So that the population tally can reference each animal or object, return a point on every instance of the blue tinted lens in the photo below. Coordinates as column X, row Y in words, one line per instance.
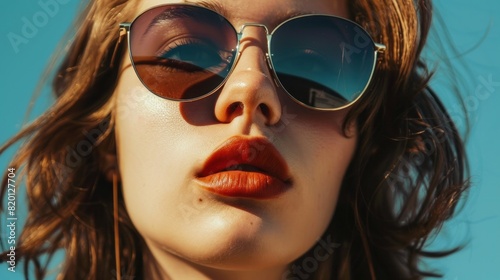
column 322, row 61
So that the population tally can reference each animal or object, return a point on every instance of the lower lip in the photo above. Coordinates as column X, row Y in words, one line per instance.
column 243, row 184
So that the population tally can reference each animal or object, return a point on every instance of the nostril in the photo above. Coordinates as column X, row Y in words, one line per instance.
column 264, row 109
column 234, row 109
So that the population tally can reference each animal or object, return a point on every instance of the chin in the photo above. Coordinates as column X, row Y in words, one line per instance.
column 234, row 239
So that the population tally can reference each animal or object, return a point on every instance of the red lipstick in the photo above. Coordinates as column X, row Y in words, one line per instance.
column 245, row 167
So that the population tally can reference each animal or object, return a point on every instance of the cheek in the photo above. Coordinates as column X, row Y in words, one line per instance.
column 330, row 148
column 319, row 154
column 321, row 145
column 150, row 156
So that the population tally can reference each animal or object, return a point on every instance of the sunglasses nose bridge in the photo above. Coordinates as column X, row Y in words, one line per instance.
column 248, row 24
column 258, row 25
column 265, row 46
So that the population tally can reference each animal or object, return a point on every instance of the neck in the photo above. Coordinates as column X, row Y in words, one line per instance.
column 164, row 265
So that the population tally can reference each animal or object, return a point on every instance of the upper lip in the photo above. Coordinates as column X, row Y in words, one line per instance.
column 247, row 154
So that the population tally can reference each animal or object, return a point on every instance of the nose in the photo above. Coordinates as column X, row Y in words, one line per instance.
column 250, row 91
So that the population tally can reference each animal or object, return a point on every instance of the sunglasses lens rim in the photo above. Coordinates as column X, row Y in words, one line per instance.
column 359, row 35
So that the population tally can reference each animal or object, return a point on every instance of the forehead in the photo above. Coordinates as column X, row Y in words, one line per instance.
column 270, row 13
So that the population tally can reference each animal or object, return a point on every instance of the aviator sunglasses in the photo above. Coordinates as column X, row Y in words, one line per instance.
column 185, row 52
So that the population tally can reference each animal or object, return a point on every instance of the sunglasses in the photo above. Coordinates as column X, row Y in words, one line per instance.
column 185, row 52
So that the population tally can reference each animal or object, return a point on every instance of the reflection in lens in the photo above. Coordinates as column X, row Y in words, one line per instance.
column 339, row 55
column 312, row 93
column 176, row 84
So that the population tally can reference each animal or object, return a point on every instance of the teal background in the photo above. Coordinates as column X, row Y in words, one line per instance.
column 474, row 28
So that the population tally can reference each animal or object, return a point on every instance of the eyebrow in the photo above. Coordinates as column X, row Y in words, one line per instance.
column 186, row 12
column 212, row 5
column 219, row 9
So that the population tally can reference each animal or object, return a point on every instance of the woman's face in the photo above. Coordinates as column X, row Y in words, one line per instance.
column 200, row 180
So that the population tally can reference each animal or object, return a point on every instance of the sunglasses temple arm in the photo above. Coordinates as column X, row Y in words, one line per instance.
column 380, row 48
column 124, row 28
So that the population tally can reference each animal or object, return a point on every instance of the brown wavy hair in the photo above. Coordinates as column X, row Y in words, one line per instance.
column 405, row 180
